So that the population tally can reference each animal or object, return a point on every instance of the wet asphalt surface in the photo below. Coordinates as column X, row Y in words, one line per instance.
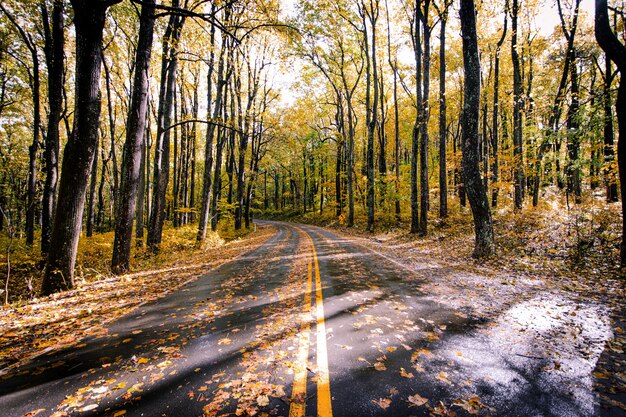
column 227, row 344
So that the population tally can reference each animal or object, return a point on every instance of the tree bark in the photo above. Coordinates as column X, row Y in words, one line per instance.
column 609, row 134
column 495, row 130
column 474, row 186
column 91, row 198
column 89, row 19
column 424, row 118
column 518, row 163
column 443, row 123
column 616, row 52
column 54, row 45
column 135, row 131
column 417, row 50
column 34, row 81
column 161, row 171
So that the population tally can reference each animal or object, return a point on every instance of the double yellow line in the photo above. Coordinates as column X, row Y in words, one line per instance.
column 324, row 405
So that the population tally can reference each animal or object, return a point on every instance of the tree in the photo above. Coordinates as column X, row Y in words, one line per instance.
column 495, row 138
column 616, row 52
column 443, row 120
column 416, row 41
column 136, row 128
column 517, row 109
column 476, row 194
column 161, row 171
column 34, row 78
column 89, row 19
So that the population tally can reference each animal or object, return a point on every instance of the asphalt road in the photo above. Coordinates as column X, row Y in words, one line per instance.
column 307, row 324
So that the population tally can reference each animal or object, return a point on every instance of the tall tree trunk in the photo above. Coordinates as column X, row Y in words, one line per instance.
column 476, row 194
column 609, row 134
column 417, row 50
column 573, row 143
column 495, row 129
column 518, row 168
column 443, row 122
column 34, row 81
column 161, row 171
column 393, row 64
column 141, row 192
column 32, row 151
column 424, row 117
column 113, row 149
column 100, row 214
column 616, row 52
column 371, row 103
column 135, row 131
column 89, row 18
column 54, row 59
column 91, row 198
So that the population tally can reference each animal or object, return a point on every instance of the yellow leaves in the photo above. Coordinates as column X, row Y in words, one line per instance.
column 600, row 374
column 421, row 352
column 121, row 385
column 383, row 403
column 89, row 407
column 143, row 360
column 431, row 336
column 224, row 341
column 164, row 364
column 417, row 400
column 391, row 349
column 472, row 405
column 405, row 374
column 130, row 339
column 379, row 366
column 135, row 388
column 34, row 412
column 418, row 367
column 119, row 413
column 262, row 400
column 443, row 377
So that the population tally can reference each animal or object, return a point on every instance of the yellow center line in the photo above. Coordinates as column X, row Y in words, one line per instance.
column 324, row 406
column 298, row 395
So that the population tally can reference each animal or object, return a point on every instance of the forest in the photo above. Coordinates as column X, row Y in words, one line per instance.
column 145, row 143
column 208, row 112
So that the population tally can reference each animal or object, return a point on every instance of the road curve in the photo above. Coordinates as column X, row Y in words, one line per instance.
column 307, row 324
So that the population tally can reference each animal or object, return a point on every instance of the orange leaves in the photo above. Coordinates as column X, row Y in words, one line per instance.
column 380, row 366
column 383, row 403
column 443, row 377
column 417, row 400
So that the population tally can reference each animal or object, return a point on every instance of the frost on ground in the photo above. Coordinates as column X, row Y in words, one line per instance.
column 533, row 339
column 549, row 336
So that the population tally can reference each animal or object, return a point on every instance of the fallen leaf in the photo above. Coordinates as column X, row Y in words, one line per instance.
column 262, row 400
column 443, row 377
column 379, row 366
column 89, row 407
column 383, row 403
column 417, row 400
